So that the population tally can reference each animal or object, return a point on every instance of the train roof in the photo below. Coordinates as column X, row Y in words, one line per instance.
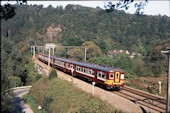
column 84, row 64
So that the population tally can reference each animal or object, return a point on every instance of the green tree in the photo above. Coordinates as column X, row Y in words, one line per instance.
column 15, row 81
column 76, row 54
column 92, row 49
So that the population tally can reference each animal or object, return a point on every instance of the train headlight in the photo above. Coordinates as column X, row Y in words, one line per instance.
column 122, row 76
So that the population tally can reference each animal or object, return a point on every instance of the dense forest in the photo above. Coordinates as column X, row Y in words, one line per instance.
column 75, row 25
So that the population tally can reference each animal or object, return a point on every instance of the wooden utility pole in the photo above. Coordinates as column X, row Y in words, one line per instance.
column 168, row 81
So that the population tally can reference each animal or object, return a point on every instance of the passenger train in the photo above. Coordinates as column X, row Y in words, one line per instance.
column 110, row 78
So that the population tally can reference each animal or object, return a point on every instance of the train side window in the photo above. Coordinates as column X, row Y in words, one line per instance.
column 91, row 72
column 66, row 65
column 98, row 74
column 103, row 75
column 88, row 71
column 62, row 63
column 71, row 66
column 111, row 76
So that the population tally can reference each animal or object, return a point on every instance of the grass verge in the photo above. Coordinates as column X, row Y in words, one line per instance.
column 32, row 103
column 59, row 96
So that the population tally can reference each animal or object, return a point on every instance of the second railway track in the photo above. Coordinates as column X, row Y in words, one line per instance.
column 144, row 99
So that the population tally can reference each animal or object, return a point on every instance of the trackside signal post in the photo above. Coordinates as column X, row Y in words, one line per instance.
column 168, row 81
column 93, row 83
column 159, row 83
column 33, row 50
column 49, row 46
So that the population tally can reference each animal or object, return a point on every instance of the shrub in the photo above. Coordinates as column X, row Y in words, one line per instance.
column 37, row 77
column 46, row 103
column 52, row 74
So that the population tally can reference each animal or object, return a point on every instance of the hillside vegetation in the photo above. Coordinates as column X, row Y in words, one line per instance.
column 75, row 25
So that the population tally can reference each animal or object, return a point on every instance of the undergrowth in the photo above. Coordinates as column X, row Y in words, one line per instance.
column 59, row 96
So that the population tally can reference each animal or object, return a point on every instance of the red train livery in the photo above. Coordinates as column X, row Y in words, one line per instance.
column 110, row 78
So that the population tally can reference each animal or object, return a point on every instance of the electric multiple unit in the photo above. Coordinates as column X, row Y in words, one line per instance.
column 110, row 78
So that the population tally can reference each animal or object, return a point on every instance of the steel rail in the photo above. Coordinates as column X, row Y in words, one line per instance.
column 142, row 98
column 145, row 94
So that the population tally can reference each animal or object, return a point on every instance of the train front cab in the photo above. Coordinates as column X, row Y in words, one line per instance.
column 115, row 80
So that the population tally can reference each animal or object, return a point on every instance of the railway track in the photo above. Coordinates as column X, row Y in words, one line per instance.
column 144, row 99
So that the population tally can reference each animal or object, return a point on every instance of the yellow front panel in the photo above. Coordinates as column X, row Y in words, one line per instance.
column 110, row 82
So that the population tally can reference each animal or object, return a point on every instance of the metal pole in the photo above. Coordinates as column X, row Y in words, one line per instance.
column 168, row 85
column 168, row 81
column 49, row 58
column 85, row 54
column 31, row 50
column 34, row 52
column 159, row 83
column 72, row 70
column 53, row 51
column 93, row 83
column 43, row 50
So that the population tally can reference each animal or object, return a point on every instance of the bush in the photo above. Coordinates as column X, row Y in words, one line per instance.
column 46, row 103
column 52, row 74
column 37, row 77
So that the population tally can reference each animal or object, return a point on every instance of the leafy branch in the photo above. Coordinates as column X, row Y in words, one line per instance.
column 8, row 11
column 124, row 4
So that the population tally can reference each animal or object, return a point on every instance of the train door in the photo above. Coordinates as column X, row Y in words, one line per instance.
column 117, row 77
